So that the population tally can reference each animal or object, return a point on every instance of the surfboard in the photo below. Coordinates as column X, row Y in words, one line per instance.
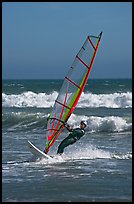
column 37, row 152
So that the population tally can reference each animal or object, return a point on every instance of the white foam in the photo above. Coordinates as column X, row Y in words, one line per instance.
column 122, row 156
column 94, row 123
column 115, row 100
column 55, row 159
column 101, row 124
column 90, row 152
column 31, row 99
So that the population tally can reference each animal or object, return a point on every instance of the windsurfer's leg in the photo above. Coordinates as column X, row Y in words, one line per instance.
column 61, row 147
column 66, row 142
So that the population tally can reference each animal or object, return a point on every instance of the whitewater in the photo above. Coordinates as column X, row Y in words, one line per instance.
column 31, row 99
column 97, row 168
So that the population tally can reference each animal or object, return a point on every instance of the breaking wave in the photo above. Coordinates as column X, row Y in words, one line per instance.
column 43, row 100
column 22, row 121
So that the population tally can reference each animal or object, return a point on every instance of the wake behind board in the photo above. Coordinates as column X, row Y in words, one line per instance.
column 37, row 152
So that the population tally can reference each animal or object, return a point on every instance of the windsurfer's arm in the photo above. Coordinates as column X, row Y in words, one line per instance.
column 68, row 127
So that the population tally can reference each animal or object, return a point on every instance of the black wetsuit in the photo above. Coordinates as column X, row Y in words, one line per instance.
column 74, row 135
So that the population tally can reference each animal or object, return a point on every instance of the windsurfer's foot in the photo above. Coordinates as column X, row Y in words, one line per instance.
column 59, row 154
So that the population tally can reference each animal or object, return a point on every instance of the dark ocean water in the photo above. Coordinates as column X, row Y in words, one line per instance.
column 96, row 168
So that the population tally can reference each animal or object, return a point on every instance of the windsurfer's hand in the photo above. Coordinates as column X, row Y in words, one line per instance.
column 66, row 125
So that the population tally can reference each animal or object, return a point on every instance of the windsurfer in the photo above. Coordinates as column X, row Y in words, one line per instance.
column 75, row 134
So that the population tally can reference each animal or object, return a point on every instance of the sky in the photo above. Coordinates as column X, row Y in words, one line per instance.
column 41, row 39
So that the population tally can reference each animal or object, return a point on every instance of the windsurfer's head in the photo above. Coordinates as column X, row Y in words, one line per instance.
column 83, row 124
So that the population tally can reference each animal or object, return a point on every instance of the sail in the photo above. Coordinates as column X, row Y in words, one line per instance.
column 71, row 89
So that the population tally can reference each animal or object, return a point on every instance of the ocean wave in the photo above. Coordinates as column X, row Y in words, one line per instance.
column 92, row 152
column 102, row 124
column 122, row 156
column 38, row 122
column 43, row 100
column 23, row 121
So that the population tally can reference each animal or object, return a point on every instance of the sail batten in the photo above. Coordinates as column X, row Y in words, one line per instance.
column 91, row 42
column 62, row 104
column 72, row 89
column 82, row 62
column 72, row 82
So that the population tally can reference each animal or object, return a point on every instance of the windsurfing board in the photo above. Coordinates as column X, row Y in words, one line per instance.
column 37, row 152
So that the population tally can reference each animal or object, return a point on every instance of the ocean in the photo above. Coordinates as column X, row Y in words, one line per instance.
column 97, row 168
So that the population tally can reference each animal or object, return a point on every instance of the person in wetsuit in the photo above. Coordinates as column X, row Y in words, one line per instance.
column 75, row 134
